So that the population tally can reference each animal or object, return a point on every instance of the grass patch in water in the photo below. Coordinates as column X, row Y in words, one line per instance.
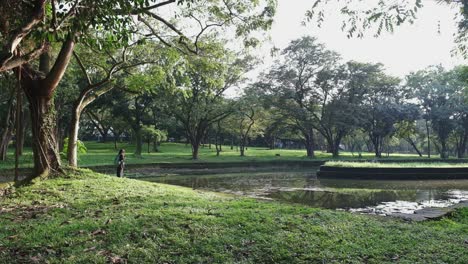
column 344, row 164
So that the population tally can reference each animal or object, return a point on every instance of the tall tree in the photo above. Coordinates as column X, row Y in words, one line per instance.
column 438, row 92
column 294, row 80
column 29, row 30
column 198, row 101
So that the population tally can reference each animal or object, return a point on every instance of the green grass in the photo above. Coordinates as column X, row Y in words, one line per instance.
column 92, row 218
column 344, row 164
column 104, row 153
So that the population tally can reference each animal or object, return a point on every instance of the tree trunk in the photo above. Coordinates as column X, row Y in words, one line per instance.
column 104, row 135
column 271, row 143
column 336, row 150
column 7, row 133
column 195, row 148
column 377, row 144
column 333, row 145
column 72, row 151
column 414, row 146
column 40, row 94
column 218, row 148
column 309, row 144
column 138, row 141
column 443, row 150
column 428, row 139
column 22, row 132
column 461, row 146
column 155, row 146
column 45, row 152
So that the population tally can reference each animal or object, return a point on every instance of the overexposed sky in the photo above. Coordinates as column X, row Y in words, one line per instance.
column 409, row 48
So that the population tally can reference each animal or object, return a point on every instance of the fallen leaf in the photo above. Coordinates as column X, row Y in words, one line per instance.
column 98, row 232
column 117, row 260
column 90, row 249
column 36, row 259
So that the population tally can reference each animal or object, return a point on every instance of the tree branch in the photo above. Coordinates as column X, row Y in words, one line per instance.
column 83, row 69
column 36, row 18
column 61, row 63
column 18, row 61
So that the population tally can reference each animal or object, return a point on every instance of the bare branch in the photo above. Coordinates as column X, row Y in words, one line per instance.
column 83, row 69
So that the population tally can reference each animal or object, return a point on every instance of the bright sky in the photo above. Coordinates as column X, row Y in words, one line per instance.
column 410, row 48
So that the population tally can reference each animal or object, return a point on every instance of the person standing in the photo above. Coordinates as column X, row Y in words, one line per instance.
column 120, row 162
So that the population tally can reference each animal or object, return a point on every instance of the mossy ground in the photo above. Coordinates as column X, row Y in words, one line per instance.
column 91, row 218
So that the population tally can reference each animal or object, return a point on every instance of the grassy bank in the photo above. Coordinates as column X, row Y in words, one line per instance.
column 344, row 164
column 91, row 218
column 104, row 154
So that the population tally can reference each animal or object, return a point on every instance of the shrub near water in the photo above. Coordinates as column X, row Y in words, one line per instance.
column 91, row 218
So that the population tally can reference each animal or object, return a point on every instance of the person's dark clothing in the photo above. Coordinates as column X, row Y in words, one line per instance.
column 121, row 165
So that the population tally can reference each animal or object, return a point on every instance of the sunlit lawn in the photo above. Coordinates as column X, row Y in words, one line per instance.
column 91, row 218
column 104, row 154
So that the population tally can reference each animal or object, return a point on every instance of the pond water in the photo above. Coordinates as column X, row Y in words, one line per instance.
column 366, row 196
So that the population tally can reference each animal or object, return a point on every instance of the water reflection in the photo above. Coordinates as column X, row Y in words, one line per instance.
column 366, row 196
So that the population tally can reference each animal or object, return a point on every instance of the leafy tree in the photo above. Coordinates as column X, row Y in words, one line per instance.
column 198, row 101
column 383, row 108
column 438, row 94
column 408, row 131
column 294, row 81
column 29, row 30
column 248, row 119
column 151, row 134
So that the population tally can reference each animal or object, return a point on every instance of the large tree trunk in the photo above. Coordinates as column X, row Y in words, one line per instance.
column 7, row 133
column 461, row 146
column 376, row 142
column 336, row 149
column 309, row 143
column 333, row 145
column 195, row 149
column 242, row 150
column 40, row 91
column 443, row 149
column 45, row 152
